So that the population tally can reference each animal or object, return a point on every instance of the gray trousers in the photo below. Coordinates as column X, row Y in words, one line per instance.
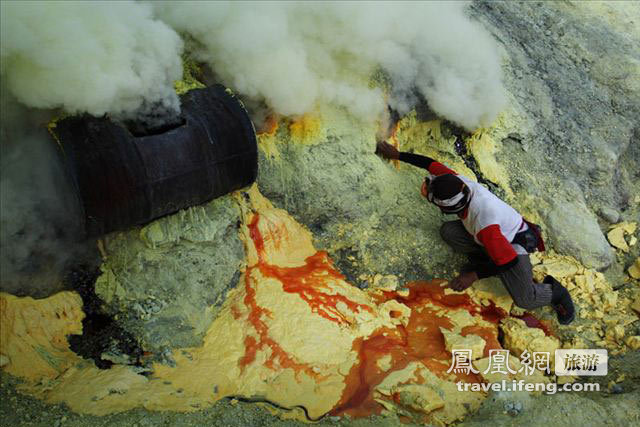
column 518, row 279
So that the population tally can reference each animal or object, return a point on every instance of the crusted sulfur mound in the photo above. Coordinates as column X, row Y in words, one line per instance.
column 292, row 332
column 167, row 280
column 518, row 337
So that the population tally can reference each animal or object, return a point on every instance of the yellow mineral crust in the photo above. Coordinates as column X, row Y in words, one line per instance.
column 268, row 137
column 491, row 290
column 484, row 144
column 307, row 129
column 455, row 341
column 518, row 337
column 426, row 138
column 431, row 394
column 290, row 333
column 600, row 308
column 189, row 80
column 617, row 234
column 33, row 336
column 634, row 270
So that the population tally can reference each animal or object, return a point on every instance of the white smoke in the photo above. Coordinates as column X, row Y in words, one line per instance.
column 118, row 57
column 39, row 228
column 94, row 57
column 294, row 55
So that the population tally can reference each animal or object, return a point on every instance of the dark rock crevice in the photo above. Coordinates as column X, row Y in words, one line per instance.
column 102, row 340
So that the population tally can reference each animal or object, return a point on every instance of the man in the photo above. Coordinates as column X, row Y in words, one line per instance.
column 490, row 232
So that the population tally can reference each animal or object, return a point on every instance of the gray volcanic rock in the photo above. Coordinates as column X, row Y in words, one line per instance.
column 573, row 72
column 574, row 231
column 612, row 216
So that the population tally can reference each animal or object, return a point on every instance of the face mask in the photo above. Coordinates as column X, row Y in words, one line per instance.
column 454, row 204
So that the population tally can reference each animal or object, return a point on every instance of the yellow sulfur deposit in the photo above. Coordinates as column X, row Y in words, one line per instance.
column 491, row 290
column 618, row 232
column 189, row 80
column 426, row 138
column 603, row 313
column 307, row 129
column 455, row 341
column 518, row 337
column 34, row 334
column 634, row 269
column 633, row 342
column 484, row 144
column 253, row 348
column 433, row 394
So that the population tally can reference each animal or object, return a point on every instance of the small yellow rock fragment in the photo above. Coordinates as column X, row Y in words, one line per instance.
column 633, row 342
column 634, row 270
column 455, row 341
column 385, row 283
column 636, row 305
column 559, row 268
column 403, row 292
column 519, row 337
column 384, row 363
column 493, row 290
column 617, row 233
column 609, row 298
column 616, row 238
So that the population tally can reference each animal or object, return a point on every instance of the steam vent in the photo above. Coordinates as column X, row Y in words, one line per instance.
column 213, row 213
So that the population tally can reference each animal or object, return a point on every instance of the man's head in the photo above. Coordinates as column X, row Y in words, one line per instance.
column 448, row 192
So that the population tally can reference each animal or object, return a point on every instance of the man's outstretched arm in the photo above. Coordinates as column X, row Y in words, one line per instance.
column 388, row 151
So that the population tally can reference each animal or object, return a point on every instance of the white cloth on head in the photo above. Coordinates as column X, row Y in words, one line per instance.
column 452, row 201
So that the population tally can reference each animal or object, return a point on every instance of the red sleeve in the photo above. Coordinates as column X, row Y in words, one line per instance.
column 497, row 246
column 437, row 169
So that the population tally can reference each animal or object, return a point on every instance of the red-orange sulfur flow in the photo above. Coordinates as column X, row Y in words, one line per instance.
column 420, row 340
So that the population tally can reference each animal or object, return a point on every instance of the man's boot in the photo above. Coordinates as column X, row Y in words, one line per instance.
column 561, row 301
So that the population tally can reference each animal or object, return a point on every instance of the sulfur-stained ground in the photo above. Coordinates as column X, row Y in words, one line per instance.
column 547, row 155
column 566, row 409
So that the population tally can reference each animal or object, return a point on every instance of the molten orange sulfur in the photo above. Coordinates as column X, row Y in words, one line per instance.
column 310, row 281
column 270, row 125
column 421, row 340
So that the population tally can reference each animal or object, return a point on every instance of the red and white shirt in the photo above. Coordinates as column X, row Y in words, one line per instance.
column 492, row 223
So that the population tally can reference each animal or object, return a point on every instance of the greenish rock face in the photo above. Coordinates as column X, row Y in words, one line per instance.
column 166, row 281
column 367, row 214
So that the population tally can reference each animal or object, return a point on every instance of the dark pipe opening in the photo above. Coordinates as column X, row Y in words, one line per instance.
column 140, row 129
column 122, row 180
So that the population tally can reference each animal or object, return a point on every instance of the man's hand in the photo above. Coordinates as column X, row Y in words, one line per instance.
column 387, row 150
column 463, row 281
